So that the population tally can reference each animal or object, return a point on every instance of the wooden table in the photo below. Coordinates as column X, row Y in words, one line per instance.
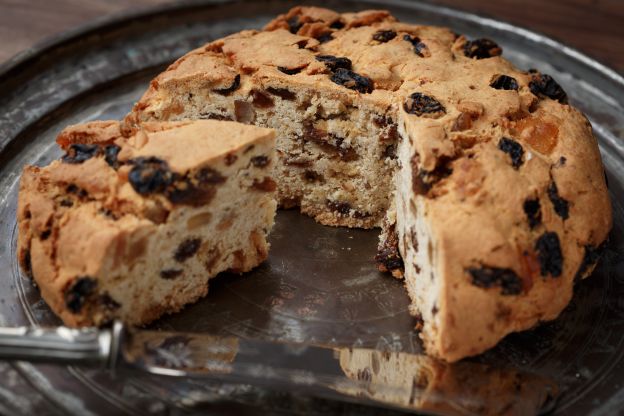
column 596, row 27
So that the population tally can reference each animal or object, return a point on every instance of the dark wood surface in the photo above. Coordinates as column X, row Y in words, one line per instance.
column 596, row 27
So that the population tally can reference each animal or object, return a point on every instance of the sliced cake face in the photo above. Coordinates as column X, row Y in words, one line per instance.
column 500, row 197
column 133, row 225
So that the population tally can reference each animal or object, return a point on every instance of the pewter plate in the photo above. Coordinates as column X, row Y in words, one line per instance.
column 319, row 284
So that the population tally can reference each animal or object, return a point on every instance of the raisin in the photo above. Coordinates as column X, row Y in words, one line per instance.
column 265, row 185
column 325, row 37
column 231, row 88
column 215, row 116
column 504, row 82
column 333, row 63
column 481, row 49
column 209, row 176
column 513, row 149
column 294, row 24
column 187, row 249
column 543, row 85
column 329, row 143
column 591, row 257
column 388, row 257
column 533, row 211
column 26, row 263
column 549, row 254
column 110, row 155
column 289, row 71
column 283, row 93
column 384, row 36
column 337, row 25
column 170, row 274
column 423, row 180
column 343, row 208
column 45, row 235
column 421, row 104
column 230, row 159
column 149, row 175
column 78, row 153
column 195, row 190
column 78, row 292
column 487, row 277
column 560, row 205
column 66, row 203
column 419, row 47
column 261, row 100
column 259, row 161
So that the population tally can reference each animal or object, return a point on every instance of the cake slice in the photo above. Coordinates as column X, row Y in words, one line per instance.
column 500, row 200
column 133, row 224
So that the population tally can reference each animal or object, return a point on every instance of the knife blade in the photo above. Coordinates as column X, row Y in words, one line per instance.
column 396, row 380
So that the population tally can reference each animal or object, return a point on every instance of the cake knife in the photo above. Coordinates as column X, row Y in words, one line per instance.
column 408, row 382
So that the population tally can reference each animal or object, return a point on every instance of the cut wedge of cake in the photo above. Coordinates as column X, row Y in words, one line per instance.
column 501, row 201
column 133, row 224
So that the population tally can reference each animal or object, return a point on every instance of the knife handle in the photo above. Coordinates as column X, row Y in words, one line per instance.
column 88, row 346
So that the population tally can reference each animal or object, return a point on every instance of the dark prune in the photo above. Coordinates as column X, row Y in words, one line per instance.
column 110, row 155
column 513, row 149
column 533, row 211
column 289, row 71
column 481, row 49
column 77, row 293
column 487, row 277
column 325, row 37
column 261, row 100
column 419, row 47
column 333, row 62
column 259, row 161
column 294, row 24
column 187, row 249
column 560, row 205
column 343, row 208
column 543, row 85
column 591, row 257
column 384, row 35
column 549, row 254
column 231, row 88
column 149, row 175
column 421, row 104
column 78, row 153
column 283, row 93
column 170, row 274
column 504, row 82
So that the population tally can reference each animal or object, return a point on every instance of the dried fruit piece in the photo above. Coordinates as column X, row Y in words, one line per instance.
column 543, row 85
column 231, row 88
column 560, row 205
column 504, row 82
column 325, row 37
column 421, row 104
column 549, row 254
column 149, row 175
column 532, row 209
column 333, row 62
column 294, row 24
column 261, row 100
column 338, row 24
column 170, row 274
column 423, row 180
column 352, row 80
column 283, row 93
column 289, row 71
column 513, row 149
column 481, row 49
column 187, row 249
column 487, row 277
column 388, row 257
column 343, row 208
column 384, row 35
column 78, row 153
column 78, row 292
column 420, row 48
column 110, row 155
column 259, row 161
column 266, row 185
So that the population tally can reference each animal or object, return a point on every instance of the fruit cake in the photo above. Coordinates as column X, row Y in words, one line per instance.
column 490, row 183
column 132, row 224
